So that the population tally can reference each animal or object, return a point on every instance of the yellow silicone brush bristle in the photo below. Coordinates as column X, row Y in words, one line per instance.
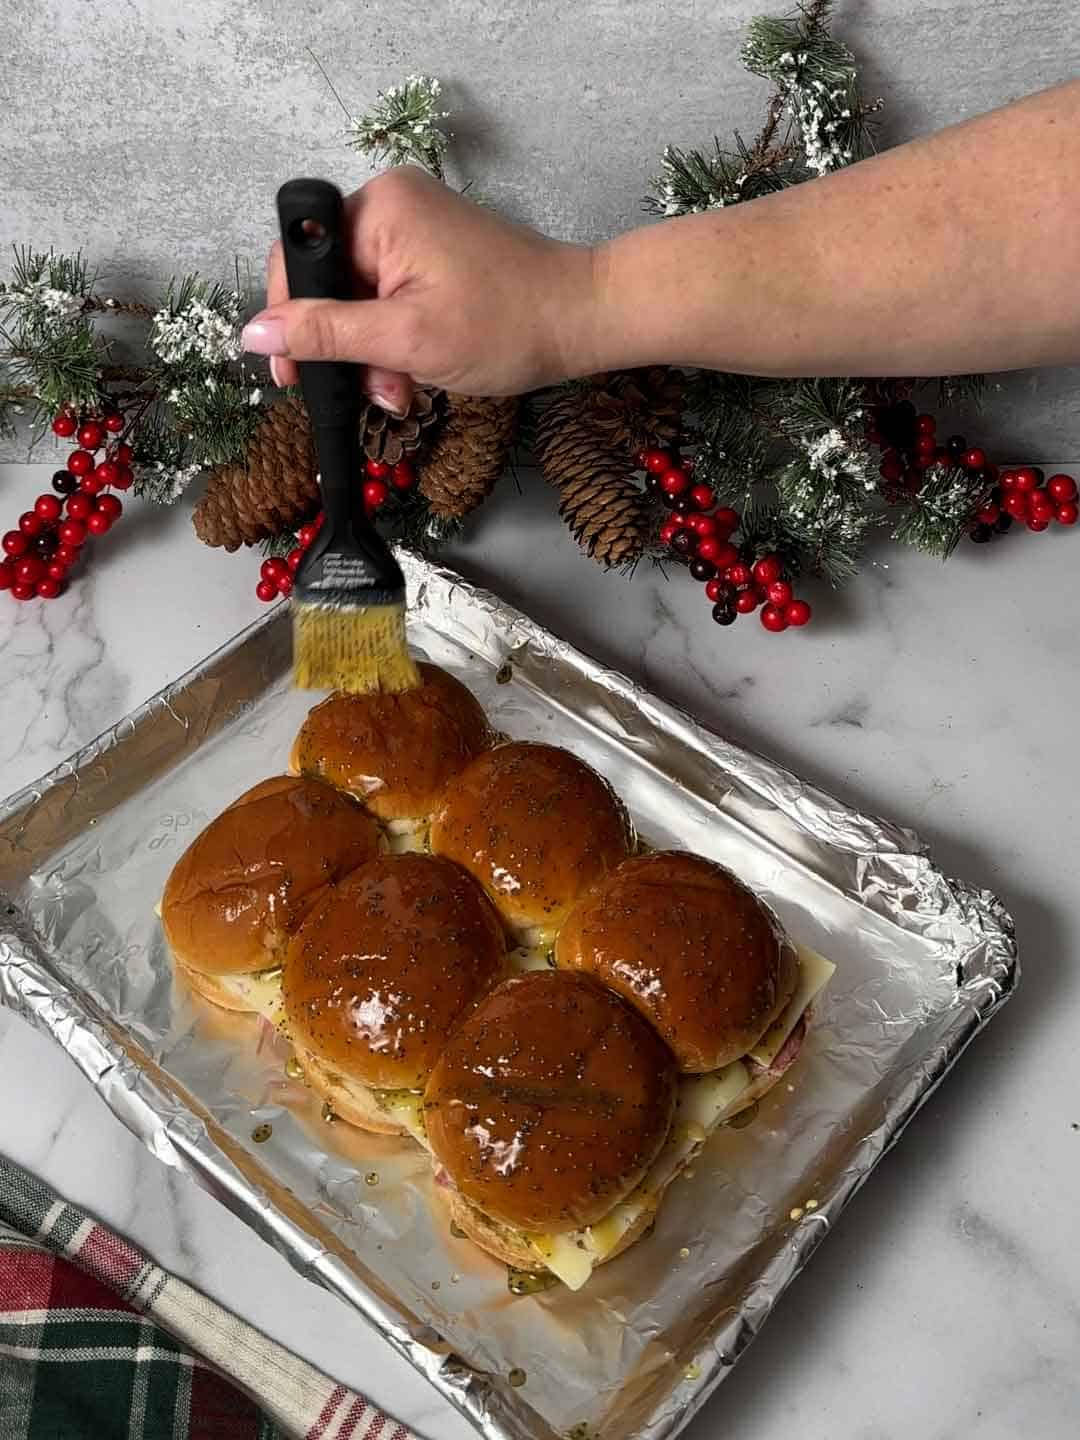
column 351, row 648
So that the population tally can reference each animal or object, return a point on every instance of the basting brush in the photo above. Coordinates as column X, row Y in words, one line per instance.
column 349, row 592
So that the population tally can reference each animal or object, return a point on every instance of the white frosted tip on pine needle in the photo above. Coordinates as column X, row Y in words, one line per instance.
column 351, row 649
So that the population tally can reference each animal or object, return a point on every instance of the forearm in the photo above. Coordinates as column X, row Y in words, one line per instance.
column 954, row 254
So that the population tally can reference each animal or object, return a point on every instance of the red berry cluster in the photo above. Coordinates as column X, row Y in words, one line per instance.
column 383, row 479
column 275, row 574
column 910, row 446
column 700, row 532
column 1027, row 495
column 381, row 482
column 40, row 554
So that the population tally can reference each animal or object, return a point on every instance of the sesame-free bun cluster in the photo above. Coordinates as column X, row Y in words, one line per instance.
column 463, row 944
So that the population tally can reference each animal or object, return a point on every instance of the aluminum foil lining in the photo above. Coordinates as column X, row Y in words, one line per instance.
column 923, row 962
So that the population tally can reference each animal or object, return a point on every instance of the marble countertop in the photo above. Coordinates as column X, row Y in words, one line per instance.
column 947, row 1303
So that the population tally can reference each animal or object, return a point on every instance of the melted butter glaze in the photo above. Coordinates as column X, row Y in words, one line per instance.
column 536, row 826
column 550, row 1103
column 388, row 964
column 249, row 879
column 397, row 752
column 690, row 947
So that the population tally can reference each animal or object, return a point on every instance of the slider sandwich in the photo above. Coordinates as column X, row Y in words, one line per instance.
column 546, row 1111
column 246, row 883
column 379, row 977
column 396, row 753
column 558, row 1125
column 708, row 965
column 536, row 826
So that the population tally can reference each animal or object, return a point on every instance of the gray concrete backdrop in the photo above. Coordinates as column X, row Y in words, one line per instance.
column 153, row 135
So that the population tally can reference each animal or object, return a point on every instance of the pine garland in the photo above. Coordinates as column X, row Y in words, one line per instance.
column 795, row 457
column 936, row 517
column 817, row 84
column 405, row 126
column 52, row 355
column 192, row 405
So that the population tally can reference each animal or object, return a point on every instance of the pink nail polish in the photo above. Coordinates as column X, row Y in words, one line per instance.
column 264, row 337
column 274, row 376
column 389, row 404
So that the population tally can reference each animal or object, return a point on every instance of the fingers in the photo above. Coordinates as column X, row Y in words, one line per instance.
column 277, row 287
column 282, row 371
column 377, row 333
column 367, row 332
column 389, row 388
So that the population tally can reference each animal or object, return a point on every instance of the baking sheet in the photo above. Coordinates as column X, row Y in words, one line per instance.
column 923, row 963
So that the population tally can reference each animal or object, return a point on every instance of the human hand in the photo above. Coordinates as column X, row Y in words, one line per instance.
column 463, row 299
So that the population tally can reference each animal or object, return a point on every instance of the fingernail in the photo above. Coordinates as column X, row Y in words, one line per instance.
column 389, row 404
column 264, row 337
column 274, row 372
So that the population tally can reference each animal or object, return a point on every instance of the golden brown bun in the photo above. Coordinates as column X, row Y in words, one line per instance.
column 244, row 885
column 388, row 964
column 691, row 948
column 536, row 826
column 550, row 1102
column 350, row 1101
column 506, row 1245
column 396, row 753
column 510, row 1247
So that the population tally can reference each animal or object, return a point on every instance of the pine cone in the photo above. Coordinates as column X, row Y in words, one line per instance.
column 271, row 489
column 607, row 513
column 469, row 454
column 385, row 437
column 636, row 409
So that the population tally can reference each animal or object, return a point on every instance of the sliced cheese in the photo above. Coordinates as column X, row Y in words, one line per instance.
column 702, row 1104
column 404, row 836
column 406, row 1108
column 565, row 1256
column 815, row 972
column 260, row 991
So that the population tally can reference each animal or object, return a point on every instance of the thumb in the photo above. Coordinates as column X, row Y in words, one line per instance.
column 366, row 332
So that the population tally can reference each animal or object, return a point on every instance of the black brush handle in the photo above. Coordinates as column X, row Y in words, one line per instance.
column 311, row 214
column 312, row 218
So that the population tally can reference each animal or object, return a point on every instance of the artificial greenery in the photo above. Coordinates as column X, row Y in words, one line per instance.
column 190, row 404
column 792, row 455
column 405, row 126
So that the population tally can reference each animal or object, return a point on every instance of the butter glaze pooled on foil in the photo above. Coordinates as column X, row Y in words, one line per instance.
column 248, row 880
column 691, row 948
column 536, row 826
column 550, row 1103
column 388, row 965
column 394, row 752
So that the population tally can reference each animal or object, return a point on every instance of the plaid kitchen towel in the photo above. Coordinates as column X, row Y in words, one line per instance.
column 98, row 1341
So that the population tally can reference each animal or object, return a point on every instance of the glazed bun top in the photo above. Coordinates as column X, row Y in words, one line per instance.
column 550, row 1103
column 388, row 965
column 247, row 881
column 691, row 948
column 396, row 752
column 536, row 826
